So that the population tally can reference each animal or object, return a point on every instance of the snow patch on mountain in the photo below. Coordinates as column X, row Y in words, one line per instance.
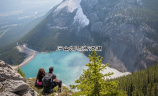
column 72, row 5
column 81, row 18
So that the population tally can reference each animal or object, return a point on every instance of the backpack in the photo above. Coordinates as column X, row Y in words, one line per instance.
column 47, row 80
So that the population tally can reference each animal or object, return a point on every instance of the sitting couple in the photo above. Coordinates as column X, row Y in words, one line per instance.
column 48, row 80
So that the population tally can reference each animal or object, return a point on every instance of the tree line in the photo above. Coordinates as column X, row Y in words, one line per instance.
column 141, row 83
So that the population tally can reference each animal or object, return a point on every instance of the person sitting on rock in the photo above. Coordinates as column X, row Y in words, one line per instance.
column 50, row 81
column 40, row 75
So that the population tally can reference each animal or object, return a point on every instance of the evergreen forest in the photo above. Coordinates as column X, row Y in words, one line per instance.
column 141, row 83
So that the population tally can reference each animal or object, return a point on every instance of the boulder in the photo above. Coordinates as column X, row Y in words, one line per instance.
column 3, row 64
column 8, row 94
column 14, row 85
column 1, row 85
column 6, row 72
column 30, row 92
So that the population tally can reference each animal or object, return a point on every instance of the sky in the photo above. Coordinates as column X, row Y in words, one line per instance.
column 7, row 6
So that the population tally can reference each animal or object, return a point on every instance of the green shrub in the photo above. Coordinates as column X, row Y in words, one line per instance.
column 20, row 72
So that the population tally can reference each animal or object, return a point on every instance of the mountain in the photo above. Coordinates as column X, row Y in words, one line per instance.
column 126, row 30
column 13, row 34
column 8, row 42
column 19, row 17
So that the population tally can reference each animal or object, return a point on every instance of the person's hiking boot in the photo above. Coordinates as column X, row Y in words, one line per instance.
column 59, row 90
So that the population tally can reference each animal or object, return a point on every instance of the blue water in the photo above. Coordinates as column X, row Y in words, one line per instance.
column 68, row 66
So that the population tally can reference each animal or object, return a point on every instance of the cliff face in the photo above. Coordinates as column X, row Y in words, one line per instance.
column 125, row 29
column 12, row 84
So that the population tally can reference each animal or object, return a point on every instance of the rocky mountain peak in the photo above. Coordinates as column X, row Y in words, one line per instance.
column 70, row 7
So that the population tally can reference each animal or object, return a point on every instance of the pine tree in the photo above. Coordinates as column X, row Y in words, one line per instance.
column 20, row 72
column 92, row 83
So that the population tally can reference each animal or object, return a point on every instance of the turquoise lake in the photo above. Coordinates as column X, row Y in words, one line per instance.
column 68, row 66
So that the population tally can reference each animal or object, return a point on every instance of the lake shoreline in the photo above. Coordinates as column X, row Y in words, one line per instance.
column 30, row 55
column 68, row 65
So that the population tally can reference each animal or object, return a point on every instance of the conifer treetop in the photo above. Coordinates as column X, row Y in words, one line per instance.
column 92, row 82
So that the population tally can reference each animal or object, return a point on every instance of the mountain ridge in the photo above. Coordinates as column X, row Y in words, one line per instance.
column 120, row 27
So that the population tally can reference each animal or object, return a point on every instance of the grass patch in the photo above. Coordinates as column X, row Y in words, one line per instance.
column 65, row 90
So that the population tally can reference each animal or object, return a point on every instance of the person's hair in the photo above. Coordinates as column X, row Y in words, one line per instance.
column 41, row 72
column 51, row 69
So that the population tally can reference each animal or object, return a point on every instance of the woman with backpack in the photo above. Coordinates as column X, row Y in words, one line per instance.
column 40, row 75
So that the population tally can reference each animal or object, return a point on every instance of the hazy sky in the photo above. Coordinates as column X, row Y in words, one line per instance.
column 16, row 5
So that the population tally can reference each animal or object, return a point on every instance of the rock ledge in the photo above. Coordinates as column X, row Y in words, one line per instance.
column 12, row 83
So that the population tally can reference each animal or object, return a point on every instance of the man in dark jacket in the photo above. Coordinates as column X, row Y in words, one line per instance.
column 55, row 82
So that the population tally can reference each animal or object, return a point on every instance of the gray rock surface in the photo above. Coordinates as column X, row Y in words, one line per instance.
column 30, row 92
column 8, row 94
column 6, row 72
column 1, row 85
column 13, row 83
column 3, row 64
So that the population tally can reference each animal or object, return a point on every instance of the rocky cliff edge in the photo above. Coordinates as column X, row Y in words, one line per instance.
column 12, row 83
